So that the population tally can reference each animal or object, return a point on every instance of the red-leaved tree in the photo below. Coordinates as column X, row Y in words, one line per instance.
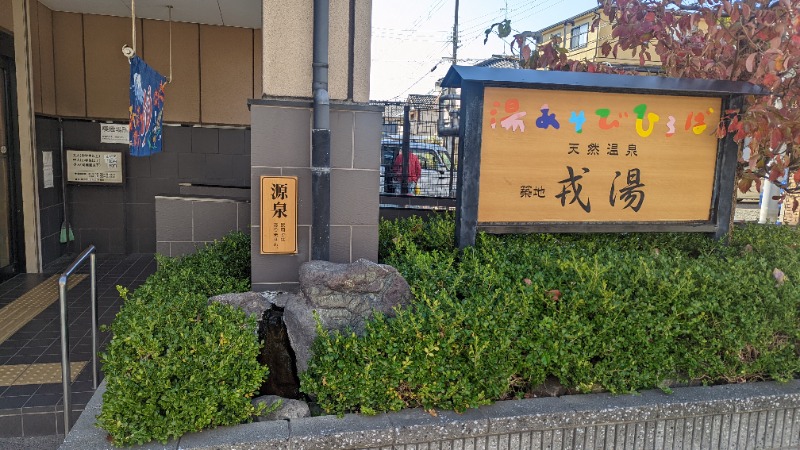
column 745, row 40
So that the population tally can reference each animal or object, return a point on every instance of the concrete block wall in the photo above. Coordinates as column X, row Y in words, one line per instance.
column 184, row 224
column 281, row 146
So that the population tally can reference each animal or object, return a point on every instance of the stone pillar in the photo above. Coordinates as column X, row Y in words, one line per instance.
column 287, row 49
column 281, row 133
column 281, row 146
column 26, row 122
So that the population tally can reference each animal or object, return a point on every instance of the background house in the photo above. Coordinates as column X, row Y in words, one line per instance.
column 584, row 43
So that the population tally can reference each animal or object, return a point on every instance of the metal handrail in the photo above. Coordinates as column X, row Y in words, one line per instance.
column 62, row 294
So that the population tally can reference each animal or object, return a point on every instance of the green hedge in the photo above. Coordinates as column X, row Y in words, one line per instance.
column 175, row 364
column 619, row 312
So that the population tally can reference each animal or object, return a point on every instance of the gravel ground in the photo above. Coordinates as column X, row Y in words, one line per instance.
column 32, row 443
column 746, row 212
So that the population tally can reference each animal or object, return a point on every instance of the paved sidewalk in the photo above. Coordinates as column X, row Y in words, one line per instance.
column 31, row 402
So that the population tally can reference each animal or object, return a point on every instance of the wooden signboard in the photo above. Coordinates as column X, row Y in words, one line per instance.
column 565, row 156
column 278, row 215
column 94, row 167
column 549, row 151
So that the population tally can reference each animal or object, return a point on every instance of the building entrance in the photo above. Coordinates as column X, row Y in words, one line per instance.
column 9, row 254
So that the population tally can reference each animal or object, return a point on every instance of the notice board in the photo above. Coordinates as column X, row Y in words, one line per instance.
column 94, row 167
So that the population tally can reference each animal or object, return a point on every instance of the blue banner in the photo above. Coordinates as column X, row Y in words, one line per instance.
column 146, row 110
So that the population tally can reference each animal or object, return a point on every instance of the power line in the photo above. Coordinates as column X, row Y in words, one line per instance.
column 409, row 30
column 543, row 9
column 418, row 22
column 426, row 74
column 422, row 38
column 532, row 9
column 493, row 13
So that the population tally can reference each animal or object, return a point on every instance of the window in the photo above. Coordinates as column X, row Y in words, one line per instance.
column 579, row 36
column 555, row 36
column 426, row 158
column 388, row 155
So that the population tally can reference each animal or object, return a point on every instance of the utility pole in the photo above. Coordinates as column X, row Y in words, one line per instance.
column 455, row 36
column 451, row 94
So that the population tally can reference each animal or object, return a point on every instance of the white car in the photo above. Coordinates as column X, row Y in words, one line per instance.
column 434, row 160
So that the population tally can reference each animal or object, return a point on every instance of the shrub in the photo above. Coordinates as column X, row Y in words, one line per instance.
column 619, row 312
column 176, row 364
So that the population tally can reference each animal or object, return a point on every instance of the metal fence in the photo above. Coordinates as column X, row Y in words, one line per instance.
column 416, row 161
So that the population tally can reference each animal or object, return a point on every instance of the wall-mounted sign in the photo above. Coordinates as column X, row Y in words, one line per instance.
column 279, row 215
column 111, row 133
column 565, row 156
column 90, row 166
column 550, row 151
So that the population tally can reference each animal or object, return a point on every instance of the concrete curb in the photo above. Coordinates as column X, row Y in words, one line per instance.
column 757, row 415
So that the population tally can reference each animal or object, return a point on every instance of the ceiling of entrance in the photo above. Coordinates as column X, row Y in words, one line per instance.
column 234, row 13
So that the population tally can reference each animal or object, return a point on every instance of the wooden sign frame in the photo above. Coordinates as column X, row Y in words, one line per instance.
column 473, row 82
column 279, row 215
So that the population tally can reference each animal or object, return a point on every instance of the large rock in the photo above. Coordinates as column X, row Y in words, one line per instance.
column 289, row 409
column 252, row 303
column 344, row 296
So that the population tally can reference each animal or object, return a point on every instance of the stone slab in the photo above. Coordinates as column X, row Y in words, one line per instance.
column 417, row 425
column 529, row 415
column 350, row 431
column 250, row 436
column 734, row 416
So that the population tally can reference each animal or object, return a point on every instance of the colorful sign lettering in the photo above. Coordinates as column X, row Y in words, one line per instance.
column 563, row 156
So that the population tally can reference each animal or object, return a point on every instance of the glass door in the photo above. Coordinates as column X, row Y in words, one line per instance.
column 7, row 257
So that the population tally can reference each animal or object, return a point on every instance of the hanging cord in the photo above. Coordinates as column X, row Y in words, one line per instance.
column 169, row 80
column 130, row 50
column 133, row 25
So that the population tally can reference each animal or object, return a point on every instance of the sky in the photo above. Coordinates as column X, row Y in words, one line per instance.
column 412, row 39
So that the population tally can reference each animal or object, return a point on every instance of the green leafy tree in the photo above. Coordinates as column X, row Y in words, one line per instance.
column 749, row 40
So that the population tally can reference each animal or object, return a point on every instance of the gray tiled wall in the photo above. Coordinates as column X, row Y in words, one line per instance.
column 281, row 145
column 184, row 223
column 122, row 219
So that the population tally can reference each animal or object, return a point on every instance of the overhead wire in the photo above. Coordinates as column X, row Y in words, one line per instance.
column 471, row 22
column 426, row 74
column 557, row 2
column 511, row 12
column 526, row 10
column 529, row 7
column 543, row 7
column 418, row 22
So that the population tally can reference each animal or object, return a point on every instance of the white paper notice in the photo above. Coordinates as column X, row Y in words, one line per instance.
column 111, row 133
column 47, row 169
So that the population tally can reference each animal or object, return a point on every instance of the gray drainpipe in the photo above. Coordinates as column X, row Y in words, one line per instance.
column 321, row 139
